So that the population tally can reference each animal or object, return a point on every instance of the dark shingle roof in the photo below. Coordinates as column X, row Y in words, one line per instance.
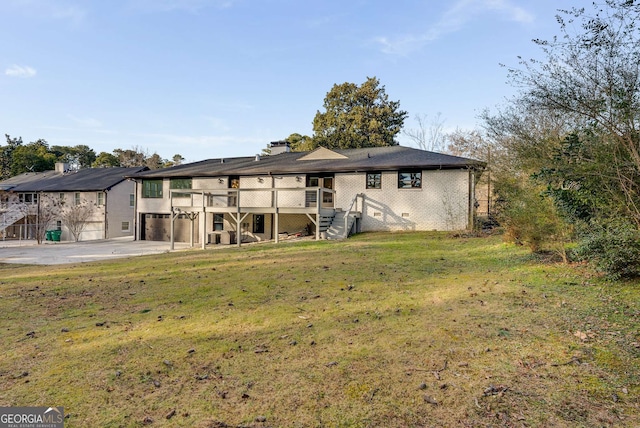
column 368, row 159
column 84, row 180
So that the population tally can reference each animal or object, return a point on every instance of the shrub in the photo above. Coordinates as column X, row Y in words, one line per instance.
column 613, row 249
column 530, row 218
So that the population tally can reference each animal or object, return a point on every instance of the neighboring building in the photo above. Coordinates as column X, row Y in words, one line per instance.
column 25, row 197
column 332, row 192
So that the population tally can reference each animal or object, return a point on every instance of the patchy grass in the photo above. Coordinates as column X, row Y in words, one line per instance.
column 381, row 330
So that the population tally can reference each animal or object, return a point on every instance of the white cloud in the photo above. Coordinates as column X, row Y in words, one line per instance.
column 48, row 9
column 454, row 19
column 87, row 122
column 23, row 71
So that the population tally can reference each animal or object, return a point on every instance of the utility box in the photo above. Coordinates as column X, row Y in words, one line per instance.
column 227, row 237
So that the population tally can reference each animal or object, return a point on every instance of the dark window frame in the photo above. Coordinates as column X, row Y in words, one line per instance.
column 152, row 188
column 258, row 223
column 411, row 177
column 180, row 183
column 374, row 182
column 218, row 221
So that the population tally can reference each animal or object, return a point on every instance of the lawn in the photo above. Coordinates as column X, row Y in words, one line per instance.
column 381, row 330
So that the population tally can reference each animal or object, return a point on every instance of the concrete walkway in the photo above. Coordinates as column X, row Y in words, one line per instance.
column 53, row 253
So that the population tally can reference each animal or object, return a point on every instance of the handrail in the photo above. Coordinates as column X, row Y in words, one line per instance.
column 348, row 212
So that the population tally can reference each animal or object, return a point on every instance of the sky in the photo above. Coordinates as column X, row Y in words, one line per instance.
column 223, row 78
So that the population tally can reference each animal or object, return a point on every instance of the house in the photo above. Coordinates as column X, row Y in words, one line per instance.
column 35, row 201
column 323, row 193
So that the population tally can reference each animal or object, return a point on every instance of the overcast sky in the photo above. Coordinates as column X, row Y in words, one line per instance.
column 222, row 78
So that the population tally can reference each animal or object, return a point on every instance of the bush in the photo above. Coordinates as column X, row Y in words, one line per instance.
column 530, row 218
column 613, row 249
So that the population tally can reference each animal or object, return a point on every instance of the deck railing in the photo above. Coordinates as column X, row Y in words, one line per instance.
column 253, row 198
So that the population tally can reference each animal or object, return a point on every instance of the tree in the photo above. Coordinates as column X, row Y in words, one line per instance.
column 80, row 156
column 45, row 212
column 429, row 135
column 358, row 116
column 32, row 157
column 131, row 157
column 176, row 160
column 137, row 156
column 301, row 143
column 105, row 160
column 76, row 217
column 591, row 78
column 6, row 156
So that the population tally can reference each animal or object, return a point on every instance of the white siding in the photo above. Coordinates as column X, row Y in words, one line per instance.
column 119, row 209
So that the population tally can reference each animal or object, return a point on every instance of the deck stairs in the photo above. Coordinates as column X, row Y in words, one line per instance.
column 9, row 217
column 341, row 226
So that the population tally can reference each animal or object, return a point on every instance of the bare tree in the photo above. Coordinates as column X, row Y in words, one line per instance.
column 430, row 133
column 45, row 212
column 76, row 216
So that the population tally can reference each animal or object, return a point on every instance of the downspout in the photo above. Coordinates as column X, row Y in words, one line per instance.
column 135, row 210
column 106, row 217
column 472, row 193
column 204, row 222
column 136, row 232
column 38, row 235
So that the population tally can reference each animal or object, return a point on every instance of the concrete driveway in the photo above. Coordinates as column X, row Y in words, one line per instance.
column 53, row 253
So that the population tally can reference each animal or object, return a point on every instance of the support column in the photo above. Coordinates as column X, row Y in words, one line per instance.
column 192, row 218
column 171, row 230
column 204, row 228
column 276, row 216
column 318, row 208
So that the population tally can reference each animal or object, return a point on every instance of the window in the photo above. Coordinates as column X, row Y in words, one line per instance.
column 76, row 198
column 180, row 183
column 132, row 200
column 374, row 180
column 61, row 196
column 152, row 188
column 125, row 226
column 234, row 183
column 58, row 224
column 258, row 223
column 28, row 198
column 319, row 181
column 409, row 180
column 218, row 221
column 100, row 199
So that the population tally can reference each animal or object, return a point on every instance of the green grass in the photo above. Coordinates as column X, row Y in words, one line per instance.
column 324, row 334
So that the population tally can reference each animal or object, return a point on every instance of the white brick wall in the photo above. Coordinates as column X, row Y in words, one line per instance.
column 441, row 203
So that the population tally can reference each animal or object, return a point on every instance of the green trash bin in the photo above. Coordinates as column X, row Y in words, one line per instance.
column 55, row 235
column 47, row 236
